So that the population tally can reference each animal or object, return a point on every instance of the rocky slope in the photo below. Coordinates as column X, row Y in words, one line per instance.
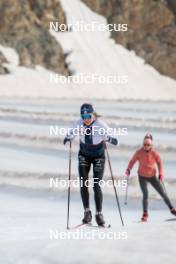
column 151, row 32
column 151, row 29
column 24, row 26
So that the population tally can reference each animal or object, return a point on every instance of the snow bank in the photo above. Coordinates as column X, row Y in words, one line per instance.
column 10, row 55
column 96, row 52
column 26, row 221
column 90, row 53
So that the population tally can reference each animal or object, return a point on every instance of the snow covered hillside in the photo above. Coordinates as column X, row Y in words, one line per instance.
column 89, row 53
column 30, row 208
column 27, row 220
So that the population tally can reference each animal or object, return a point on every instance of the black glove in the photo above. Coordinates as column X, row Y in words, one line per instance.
column 112, row 141
column 66, row 139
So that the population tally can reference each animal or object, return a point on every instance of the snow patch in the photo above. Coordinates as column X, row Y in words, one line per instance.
column 10, row 55
column 89, row 53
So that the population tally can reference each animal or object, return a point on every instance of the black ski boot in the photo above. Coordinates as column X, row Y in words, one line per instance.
column 87, row 217
column 99, row 219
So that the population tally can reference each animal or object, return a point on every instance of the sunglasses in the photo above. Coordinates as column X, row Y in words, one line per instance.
column 147, row 145
column 86, row 116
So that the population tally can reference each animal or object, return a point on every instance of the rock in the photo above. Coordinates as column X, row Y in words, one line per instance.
column 3, row 69
column 24, row 26
column 172, row 6
column 48, row 10
column 151, row 29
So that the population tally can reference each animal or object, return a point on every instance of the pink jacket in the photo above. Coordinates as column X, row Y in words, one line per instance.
column 147, row 162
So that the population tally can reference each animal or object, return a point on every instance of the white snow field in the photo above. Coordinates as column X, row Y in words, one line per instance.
column 31, row 224
column 88, row 53
column 30, row 211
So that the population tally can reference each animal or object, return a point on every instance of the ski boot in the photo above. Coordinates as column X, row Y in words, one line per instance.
column 99, row 219
column 87, row 217
column 173, row 211
column 144, row 217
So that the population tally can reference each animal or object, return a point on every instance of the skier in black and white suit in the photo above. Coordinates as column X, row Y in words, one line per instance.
column 92, row 134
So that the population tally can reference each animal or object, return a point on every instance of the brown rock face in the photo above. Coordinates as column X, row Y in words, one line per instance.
column 24, row 26
column 3, row 69
column 151, row 29
column 47, row 10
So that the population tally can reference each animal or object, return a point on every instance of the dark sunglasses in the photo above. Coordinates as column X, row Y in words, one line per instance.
column 86, row 116
column 147, row 145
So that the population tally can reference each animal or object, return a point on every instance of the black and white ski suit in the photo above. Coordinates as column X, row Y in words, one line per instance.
column 92, row 151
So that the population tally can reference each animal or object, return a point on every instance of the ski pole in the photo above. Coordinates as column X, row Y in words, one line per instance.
column 126, row 193
column 117, row 199
column 69, row 178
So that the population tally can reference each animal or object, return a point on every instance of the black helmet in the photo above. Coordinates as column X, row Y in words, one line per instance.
column 86, row 109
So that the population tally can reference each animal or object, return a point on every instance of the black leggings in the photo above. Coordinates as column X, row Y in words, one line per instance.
column 98, row 171
column 158, row 187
